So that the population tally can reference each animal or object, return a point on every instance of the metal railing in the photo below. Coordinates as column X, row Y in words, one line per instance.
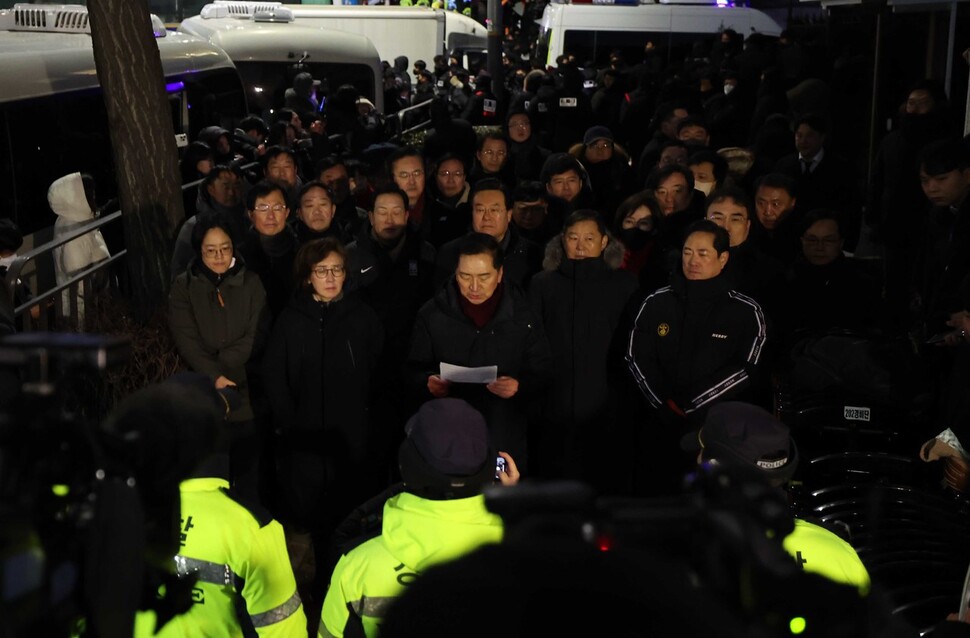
column 80, row 288
column 399, row 116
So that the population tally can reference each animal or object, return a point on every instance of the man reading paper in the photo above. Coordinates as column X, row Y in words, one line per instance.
column 476, row 320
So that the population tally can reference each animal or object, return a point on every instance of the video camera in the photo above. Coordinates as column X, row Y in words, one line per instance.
column 81, row 547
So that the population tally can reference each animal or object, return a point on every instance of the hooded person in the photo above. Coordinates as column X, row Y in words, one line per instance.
column 72, row 199
column 300, row 96
column 445, row 462
column 220, row 141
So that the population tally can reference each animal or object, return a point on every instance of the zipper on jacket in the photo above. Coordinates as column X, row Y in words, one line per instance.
column 350, row 349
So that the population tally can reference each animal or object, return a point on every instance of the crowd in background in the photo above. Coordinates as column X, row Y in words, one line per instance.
column 628, row 244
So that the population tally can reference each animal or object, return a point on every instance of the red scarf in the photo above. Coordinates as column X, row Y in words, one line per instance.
column 482, row 313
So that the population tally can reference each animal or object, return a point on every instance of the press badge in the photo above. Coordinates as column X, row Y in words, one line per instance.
column 490, row 106
column 567, row 102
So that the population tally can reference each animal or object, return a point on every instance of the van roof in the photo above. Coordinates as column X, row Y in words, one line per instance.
column 40, row 61
column 264, row 41
column 690, row 17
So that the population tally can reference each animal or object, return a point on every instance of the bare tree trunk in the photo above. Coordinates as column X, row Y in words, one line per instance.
column 142, row 140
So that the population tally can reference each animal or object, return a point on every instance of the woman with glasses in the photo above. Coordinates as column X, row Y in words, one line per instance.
column 526, row 157
column 317, row 371
column 216, row 309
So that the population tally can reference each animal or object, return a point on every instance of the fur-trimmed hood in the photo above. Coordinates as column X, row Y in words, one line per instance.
column 612, row 254
column 578, row 151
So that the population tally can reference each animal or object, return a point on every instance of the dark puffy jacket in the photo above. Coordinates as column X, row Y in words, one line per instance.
column 581, row 304
column 395, row 286
column 513, row 340
column 215, row 326
column 522, row 259
column 317, row 371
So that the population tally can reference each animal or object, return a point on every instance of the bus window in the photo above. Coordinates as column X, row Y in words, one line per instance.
column 266, row 82
column 214, row 98
column 47, row 138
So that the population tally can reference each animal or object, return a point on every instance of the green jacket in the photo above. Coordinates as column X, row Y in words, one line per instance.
column 215, row 327
column 235, row 556
column 417, row 534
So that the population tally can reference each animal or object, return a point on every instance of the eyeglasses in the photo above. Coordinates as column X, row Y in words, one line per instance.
column 447, row 174
column 520, row 125
column 321, row 272
column 405, row 176
column 811, row 240
column 213, row 251
column 262, row 209
column 600, row 146
column 491, row 153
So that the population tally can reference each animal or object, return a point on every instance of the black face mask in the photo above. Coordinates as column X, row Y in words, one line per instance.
column 635, row 238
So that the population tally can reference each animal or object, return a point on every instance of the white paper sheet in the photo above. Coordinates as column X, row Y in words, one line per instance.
column 461, row 374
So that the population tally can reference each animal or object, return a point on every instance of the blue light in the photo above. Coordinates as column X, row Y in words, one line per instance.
column 174, row 87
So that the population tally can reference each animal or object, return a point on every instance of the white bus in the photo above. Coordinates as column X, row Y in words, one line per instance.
column 52, row 114
column 420, row 33
column 270, row 45
column 590, row 30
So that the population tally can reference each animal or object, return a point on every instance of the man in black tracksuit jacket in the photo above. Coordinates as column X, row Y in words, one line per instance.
column 694, row 343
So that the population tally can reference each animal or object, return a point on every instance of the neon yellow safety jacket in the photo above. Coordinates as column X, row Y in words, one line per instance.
column 822, row 552
column 245, row 581
column 417, row 533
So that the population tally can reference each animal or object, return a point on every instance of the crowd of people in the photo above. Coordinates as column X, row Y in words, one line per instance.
column 582, row 282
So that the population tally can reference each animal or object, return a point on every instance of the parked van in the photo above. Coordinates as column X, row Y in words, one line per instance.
column 591, row 31
column 52, row 115
column 270, row 45
column 420, row 33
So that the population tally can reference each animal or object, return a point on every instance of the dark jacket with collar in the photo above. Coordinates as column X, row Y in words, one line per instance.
column 272, row 259
column 696, row 342
column 583, row 305
column 756, row 274
column 216, row 325
column 522, row 259
column 943, row 264
column 394, row 282
column 513, row 340
column 318, row 370
column 446, row 219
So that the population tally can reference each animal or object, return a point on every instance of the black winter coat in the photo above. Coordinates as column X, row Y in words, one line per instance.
column 513, row 340
column 318, row 364
column 522, row 259
column 582, row 306
column 318, row 367
column 394, row 286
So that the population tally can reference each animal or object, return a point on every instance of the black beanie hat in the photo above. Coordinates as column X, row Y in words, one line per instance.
column 446, row 454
